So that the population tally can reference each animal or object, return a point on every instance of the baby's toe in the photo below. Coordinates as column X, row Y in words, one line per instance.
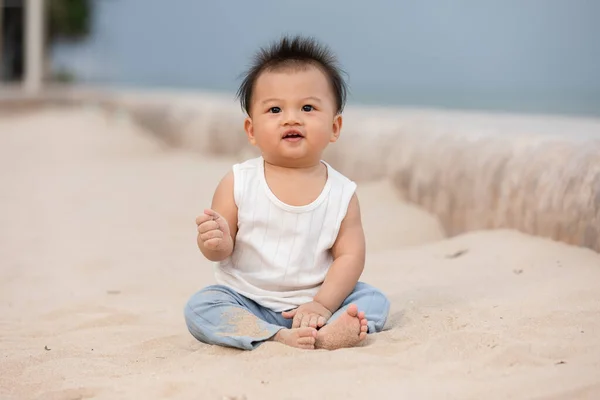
column 352, row 310
column 364, row 328
column 362, row 335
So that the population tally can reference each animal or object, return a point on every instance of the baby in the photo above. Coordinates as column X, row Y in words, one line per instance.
column 285, row 228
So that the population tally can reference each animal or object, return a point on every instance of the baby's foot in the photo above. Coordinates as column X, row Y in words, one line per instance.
column 302, row 338
column 346, row 331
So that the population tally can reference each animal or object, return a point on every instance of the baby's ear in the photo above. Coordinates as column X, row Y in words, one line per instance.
column 337, row 128
column 249, row 128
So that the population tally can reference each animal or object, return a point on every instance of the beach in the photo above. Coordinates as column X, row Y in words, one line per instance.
column 98, row 258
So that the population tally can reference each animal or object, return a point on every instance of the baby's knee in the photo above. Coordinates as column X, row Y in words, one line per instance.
column 377, row 307
column 202, row 304
column 380, row 309
column 376, row 297
column 380, row 301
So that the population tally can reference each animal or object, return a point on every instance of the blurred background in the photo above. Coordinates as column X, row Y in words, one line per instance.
column 539, row 56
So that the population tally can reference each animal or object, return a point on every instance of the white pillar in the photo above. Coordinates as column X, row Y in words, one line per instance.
column 34, row 45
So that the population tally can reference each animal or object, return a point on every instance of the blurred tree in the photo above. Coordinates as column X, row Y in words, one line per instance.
column 69, row 19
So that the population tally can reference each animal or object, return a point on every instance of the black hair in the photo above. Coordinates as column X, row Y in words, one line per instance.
column 294, row 52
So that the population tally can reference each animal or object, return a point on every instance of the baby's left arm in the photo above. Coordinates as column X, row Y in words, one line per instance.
column 348, row 260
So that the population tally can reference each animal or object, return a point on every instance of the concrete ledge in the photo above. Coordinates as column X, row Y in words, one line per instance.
column 536, row 174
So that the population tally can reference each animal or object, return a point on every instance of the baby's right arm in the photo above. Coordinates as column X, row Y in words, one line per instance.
column 217, row 227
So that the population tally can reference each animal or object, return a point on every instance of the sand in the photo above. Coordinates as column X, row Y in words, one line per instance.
column 98, row 257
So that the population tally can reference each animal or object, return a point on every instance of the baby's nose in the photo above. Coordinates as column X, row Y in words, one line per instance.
column 291, row 117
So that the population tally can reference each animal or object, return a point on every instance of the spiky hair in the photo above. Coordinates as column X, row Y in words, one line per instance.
column 294, row 52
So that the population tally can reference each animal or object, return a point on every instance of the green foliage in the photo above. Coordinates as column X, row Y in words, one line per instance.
column 69, row 19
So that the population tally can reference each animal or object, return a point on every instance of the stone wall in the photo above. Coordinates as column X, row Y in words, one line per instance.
column 536, row 174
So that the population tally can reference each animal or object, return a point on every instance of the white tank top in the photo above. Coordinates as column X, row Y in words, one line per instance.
column 282, row 252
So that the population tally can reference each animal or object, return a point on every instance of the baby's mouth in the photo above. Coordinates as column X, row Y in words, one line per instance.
column 292, row 136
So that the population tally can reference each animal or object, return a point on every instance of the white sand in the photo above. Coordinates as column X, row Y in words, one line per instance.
column 98, row 256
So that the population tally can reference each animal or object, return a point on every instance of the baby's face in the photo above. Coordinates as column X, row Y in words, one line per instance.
column 293, row 116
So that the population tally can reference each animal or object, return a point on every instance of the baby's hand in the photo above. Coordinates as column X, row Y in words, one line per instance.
column 311, row 314
column 213, row 230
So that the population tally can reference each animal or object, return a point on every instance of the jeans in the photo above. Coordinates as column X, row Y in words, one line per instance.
column 219, row 315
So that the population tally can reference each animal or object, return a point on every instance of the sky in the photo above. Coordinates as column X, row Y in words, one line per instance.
column 521, row 55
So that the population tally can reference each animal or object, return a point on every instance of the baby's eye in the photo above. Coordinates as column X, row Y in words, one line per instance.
column 307, row 108
column 275, row 110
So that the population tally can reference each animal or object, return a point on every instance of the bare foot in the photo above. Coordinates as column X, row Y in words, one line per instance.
column 346, row 331
column 302, row 338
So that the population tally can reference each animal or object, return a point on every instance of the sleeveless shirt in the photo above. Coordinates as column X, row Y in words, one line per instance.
column 282, row 252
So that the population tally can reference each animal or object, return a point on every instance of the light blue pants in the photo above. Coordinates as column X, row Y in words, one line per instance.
column 219, row 315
